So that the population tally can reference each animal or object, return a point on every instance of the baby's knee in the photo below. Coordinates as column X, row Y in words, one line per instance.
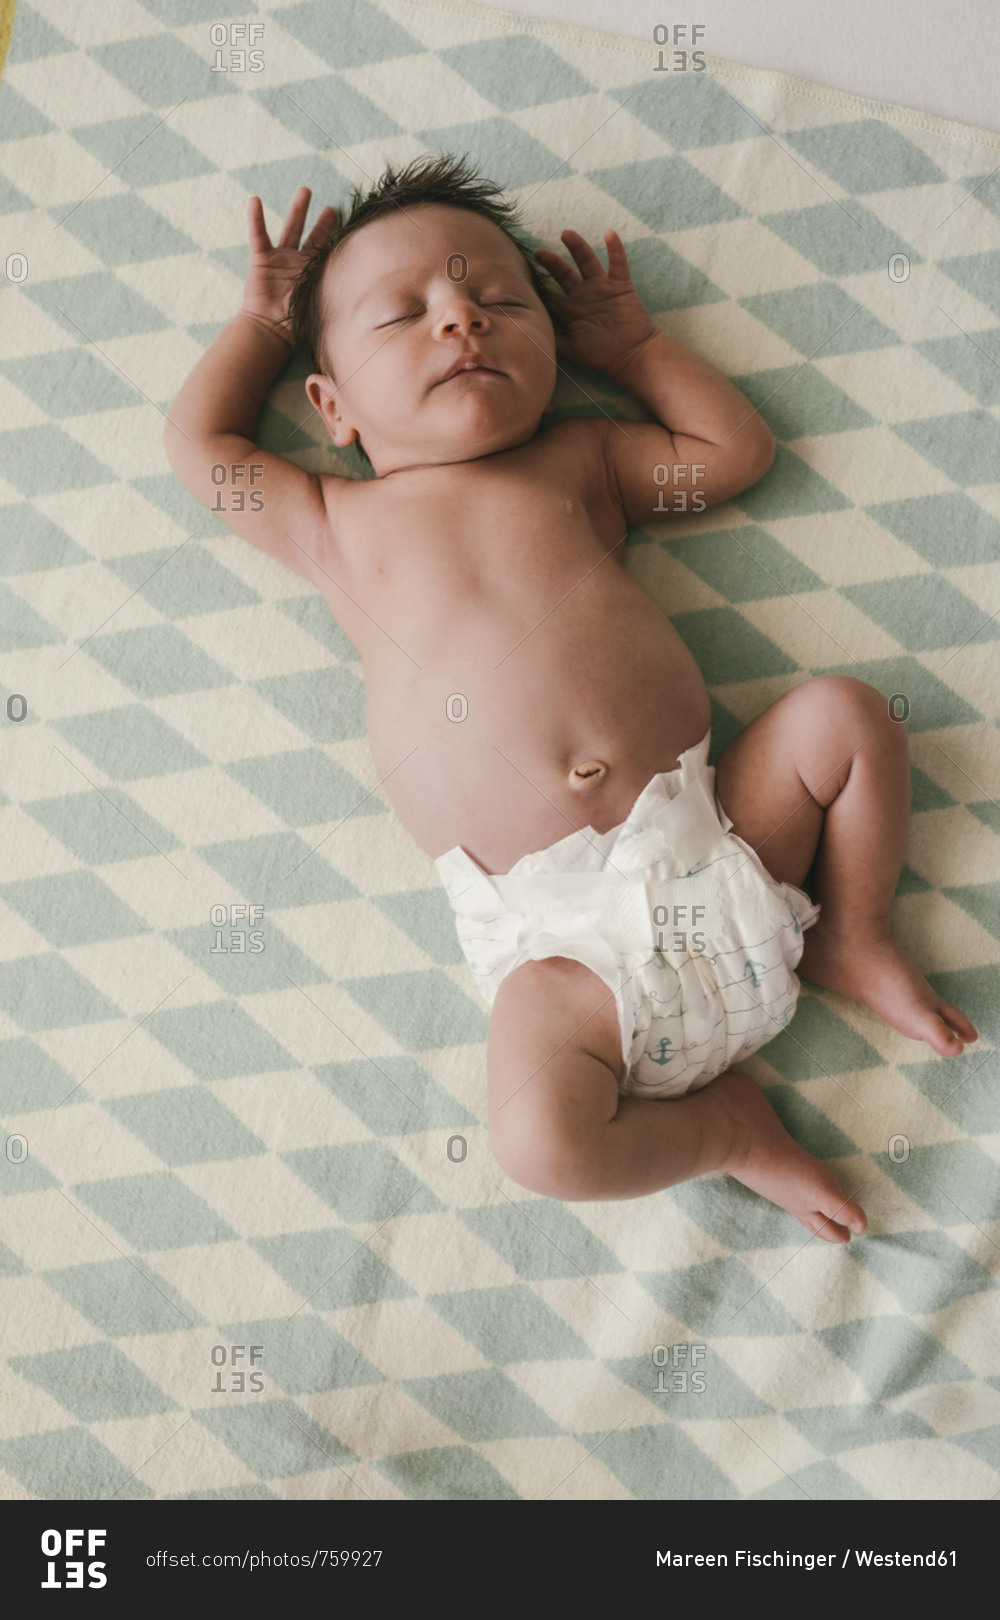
column 552, row 1092
column 838, row 698
column 545, row 1157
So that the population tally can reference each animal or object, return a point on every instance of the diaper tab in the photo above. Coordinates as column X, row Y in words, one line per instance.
column 686, row 830
column 627, row 907
column 679, row 917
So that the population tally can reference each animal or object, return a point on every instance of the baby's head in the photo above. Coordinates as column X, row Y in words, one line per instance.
column 423, row 271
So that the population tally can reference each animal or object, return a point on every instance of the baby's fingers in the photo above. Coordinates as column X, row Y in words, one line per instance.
column 295, row 218
column 558, row 268
column 588, row 262
column 618, row 269
column 322, row 228
column 260, row 242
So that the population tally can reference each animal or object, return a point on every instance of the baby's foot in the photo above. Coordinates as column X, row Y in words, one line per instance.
column 769, row 1162
column 863, row 961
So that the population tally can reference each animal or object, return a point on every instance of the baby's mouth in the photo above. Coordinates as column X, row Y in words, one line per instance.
column 470, row 368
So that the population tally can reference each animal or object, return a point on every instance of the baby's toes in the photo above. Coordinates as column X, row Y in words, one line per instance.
column 837, row 1225
column 825, row 1227
column 822, row 1227
column 939, row 1034
column 958, row 1023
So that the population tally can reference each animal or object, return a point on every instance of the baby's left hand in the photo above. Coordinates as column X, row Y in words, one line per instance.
column 604, row 318
column 273, row 270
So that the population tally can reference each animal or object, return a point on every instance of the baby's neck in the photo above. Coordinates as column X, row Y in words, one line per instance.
column 415, row 467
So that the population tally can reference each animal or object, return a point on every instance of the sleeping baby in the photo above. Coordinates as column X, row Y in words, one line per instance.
column 632, row 915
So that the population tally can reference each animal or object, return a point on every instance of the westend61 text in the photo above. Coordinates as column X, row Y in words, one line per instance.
column 862, row 1558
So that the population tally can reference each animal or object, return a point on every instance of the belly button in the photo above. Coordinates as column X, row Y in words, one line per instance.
column 589, row 774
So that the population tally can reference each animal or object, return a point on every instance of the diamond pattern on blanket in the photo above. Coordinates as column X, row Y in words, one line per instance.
column 891, row 1355
column 122, row 1299
column 481, row 1405
column 301, row 1257
column 242, row 1061
column 95, row 1382
column 447, row 1473
column 864, row 155
column 69, row 1461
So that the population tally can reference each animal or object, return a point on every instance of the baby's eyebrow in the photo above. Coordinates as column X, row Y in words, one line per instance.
column 384, row 287
column 378, row 290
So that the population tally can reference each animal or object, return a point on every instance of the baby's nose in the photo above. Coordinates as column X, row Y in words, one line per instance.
column 464, row 317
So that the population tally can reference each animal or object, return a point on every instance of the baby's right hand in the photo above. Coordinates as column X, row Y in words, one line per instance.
column 274, row 270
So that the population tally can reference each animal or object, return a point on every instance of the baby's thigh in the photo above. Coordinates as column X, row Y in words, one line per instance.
column 553, row 1059
column 777, row 778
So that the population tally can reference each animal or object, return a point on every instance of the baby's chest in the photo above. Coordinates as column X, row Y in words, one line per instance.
column 474, row 535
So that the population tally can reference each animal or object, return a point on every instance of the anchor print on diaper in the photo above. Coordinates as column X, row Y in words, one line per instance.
column 751, row 969
column 795, row 919
column 663, row 1055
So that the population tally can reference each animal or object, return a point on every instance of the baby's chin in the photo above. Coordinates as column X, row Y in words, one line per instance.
column 465, row 440
column 448, row 441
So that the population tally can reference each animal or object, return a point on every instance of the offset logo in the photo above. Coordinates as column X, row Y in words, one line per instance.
column 63, row 1569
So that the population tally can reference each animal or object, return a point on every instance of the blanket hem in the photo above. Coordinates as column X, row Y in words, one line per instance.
column 722, row 68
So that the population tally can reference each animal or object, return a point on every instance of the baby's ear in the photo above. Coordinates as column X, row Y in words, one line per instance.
column 322, row 397
column 318, row 390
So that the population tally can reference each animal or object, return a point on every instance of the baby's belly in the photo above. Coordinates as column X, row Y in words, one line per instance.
column 504, row 748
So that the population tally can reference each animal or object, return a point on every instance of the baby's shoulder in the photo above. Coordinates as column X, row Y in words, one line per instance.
column 577, row 437
column 576, row 449
column 577, row 444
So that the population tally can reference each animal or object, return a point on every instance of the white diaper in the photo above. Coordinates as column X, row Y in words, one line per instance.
column 677, row 915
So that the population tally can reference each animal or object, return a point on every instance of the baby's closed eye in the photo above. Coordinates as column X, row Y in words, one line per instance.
column 491, row 303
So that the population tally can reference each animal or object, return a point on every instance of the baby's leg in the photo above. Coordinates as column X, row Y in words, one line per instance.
column 821, row 781
column 559, row 1126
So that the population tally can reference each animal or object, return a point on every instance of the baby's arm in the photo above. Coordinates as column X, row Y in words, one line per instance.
column 209, row 433
column 709, row 442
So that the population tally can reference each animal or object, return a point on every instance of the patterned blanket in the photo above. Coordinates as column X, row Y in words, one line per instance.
column 254, row 1243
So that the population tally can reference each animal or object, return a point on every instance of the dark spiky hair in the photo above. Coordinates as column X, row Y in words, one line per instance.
column 431, row 178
